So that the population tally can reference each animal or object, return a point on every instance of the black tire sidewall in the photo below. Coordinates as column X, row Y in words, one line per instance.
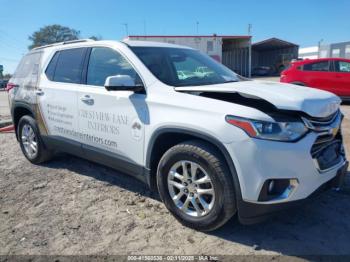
column 208, row 221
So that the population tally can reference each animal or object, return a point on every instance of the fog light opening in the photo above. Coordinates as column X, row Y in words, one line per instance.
column 277, row 189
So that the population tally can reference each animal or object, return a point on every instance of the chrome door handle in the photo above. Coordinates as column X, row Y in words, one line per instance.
column 39, row 92
column 87, row 100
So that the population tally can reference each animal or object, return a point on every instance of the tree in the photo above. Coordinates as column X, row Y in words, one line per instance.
column 52, row 34
column 96, row 38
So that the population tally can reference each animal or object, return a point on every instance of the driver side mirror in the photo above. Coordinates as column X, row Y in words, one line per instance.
column 122, row 83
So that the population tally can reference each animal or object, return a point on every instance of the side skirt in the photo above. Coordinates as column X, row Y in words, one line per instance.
column 97, row 155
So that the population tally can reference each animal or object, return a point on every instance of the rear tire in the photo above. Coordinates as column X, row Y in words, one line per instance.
column 31, row 142
column 210, row 191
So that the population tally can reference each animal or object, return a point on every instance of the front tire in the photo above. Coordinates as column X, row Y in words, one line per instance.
column 30, row 141
column 196, row 186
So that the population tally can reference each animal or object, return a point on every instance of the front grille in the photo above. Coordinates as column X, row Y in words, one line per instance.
column 324, row 120
column 328, row 155
column 325, row 123
column 327, row 151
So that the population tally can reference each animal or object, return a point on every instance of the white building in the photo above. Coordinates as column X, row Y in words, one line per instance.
column 308, row 52
column 341, row 50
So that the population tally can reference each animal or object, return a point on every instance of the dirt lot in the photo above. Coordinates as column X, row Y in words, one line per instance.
column 72, row 206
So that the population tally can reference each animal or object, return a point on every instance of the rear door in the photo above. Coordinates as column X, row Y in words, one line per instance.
column 342, row 78
column 318, row 75
column 57, row 94
column 112, row 122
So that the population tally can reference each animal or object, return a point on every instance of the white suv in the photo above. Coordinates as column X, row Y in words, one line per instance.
column 213, row 145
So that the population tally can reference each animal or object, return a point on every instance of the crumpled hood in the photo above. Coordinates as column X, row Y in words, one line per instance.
column 314, row 102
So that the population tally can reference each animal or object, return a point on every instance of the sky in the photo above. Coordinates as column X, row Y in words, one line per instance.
column 304, row 22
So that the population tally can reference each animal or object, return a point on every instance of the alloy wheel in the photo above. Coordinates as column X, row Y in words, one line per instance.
column 191, row 188
column 29, row 141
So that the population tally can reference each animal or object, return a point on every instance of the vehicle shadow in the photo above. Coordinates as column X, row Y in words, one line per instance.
column 320, row 227
column 101, row 173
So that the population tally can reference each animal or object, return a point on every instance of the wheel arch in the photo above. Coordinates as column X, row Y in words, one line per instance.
column 164, row 138
column 19, row 110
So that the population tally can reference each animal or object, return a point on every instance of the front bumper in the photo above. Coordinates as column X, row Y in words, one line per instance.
column 309, row 163
column 259, row 160
column 251, row 213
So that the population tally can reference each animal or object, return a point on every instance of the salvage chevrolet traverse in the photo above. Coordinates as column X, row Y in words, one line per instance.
column 212, row 143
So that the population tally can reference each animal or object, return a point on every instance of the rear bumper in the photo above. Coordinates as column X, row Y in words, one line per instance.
column 251, row 213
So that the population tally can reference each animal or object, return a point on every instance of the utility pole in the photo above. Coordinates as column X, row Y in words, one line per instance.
column 319, row 47
column 126, row 29
column 197, row 26
column 250, row 51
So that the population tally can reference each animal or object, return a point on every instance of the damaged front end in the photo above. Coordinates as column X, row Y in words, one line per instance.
column 294, row 115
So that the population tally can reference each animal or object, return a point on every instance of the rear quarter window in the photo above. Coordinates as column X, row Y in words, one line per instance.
column 318, row 66
column 29, row 65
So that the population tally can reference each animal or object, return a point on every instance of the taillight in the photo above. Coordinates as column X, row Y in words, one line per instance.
column 9, row 86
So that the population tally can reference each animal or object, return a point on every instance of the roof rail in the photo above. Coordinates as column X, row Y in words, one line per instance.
column 77, row 41
column 63, row 43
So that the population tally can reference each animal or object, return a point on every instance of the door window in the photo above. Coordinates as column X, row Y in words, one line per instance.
column 319, row 66
column 342, row 66
column 50, row 70
column 105, row 62
column 69, row 66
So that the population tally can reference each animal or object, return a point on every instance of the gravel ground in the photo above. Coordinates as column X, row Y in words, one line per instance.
column 72, row 206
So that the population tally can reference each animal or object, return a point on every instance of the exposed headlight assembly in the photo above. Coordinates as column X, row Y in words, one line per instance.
column 277, row 131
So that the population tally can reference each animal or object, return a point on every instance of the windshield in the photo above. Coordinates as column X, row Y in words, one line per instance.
column 184, row 67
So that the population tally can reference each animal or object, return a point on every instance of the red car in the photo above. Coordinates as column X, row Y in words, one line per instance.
column 330, row 74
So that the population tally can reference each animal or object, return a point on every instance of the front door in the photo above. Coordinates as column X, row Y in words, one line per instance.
column 111, row 122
